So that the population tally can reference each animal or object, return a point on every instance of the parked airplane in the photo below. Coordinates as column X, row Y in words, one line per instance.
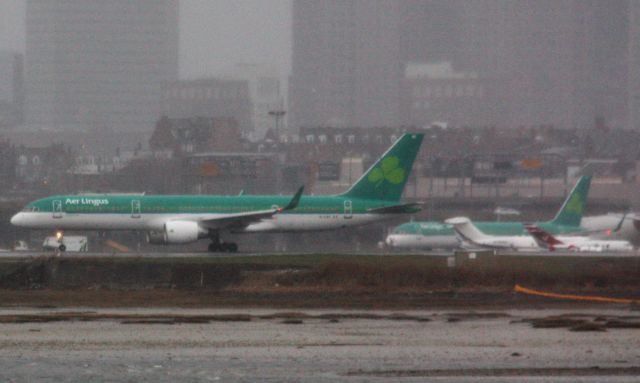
column 437, row 235
column 471, row 237
column 179, row 219
column 629, row 228
column 576, row 243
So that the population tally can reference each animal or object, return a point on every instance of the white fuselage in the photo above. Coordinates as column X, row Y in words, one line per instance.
column 514, row 242
column 581, row 243
column 471, row 237
column 420, row 241
column 629, row 230
column 155, row 222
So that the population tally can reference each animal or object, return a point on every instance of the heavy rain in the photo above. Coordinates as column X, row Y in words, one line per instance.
column 319, row 190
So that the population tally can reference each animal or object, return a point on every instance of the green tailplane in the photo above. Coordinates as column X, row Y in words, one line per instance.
column 570, row 213
column 385, row 179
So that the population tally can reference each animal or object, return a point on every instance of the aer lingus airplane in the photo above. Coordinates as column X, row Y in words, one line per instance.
column 178, row 219
column 438, row 235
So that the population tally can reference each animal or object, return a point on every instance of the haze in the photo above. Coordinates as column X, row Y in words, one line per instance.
column 214, row 34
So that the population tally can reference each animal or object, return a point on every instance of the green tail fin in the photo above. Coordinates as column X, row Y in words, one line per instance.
column 387, row 177
column 570, row 214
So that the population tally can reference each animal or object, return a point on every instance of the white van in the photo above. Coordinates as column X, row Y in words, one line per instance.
column 74, row 243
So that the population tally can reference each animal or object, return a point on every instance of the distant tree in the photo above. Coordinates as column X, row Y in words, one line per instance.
column 162, row 137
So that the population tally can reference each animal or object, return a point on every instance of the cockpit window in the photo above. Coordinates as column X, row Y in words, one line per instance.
column 30, row 209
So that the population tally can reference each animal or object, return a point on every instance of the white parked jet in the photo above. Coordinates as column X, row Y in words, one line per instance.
column 576, row 243
column 471, row 237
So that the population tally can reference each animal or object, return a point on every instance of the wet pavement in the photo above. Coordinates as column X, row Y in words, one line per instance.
column 312, row 346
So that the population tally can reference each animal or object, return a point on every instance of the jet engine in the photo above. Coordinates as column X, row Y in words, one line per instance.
column 177, row 232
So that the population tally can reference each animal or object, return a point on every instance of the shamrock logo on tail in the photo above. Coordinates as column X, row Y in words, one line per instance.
column 389, row 170
column 575, row 204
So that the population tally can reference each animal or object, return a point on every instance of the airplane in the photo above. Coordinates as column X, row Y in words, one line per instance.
column 471, row 237
column 576, row 243
column 438, row 235
column 629, row 228
column 180, row 219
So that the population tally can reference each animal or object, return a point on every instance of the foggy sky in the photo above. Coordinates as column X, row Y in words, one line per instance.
column 214, row 34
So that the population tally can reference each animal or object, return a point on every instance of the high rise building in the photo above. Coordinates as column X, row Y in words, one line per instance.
column 210, row 98
column 266, row 97
column 346, row 64
column 606, row 30
column 431, row 31
column 11, row 88
column 96, row 65
column 562, row 62
column 634, row 65
column 565, row 63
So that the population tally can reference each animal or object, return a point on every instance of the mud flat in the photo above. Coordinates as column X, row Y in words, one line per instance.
column 310, row 281
column 316, row 318
column 247, row 345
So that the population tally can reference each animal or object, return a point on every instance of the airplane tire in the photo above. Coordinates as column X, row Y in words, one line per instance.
column 62, row 248
column 223, row 247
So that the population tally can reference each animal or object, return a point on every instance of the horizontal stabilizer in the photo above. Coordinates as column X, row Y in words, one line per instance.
column 542, row 238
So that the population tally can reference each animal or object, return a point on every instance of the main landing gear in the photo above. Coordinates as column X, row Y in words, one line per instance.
column 224, row 247
column 217, row 245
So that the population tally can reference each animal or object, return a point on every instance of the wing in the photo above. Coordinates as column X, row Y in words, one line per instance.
column 240, row 220
column 466, row 243
column 607, row 231
column 407, row 208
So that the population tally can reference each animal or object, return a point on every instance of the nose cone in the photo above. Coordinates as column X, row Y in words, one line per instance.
column 17, row 220
column 390, row 240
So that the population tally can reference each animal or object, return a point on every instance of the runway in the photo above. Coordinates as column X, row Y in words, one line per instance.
column 430, row 253
column 314, row 346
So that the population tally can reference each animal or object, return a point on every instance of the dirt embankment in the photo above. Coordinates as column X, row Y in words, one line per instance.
column 309, row 281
